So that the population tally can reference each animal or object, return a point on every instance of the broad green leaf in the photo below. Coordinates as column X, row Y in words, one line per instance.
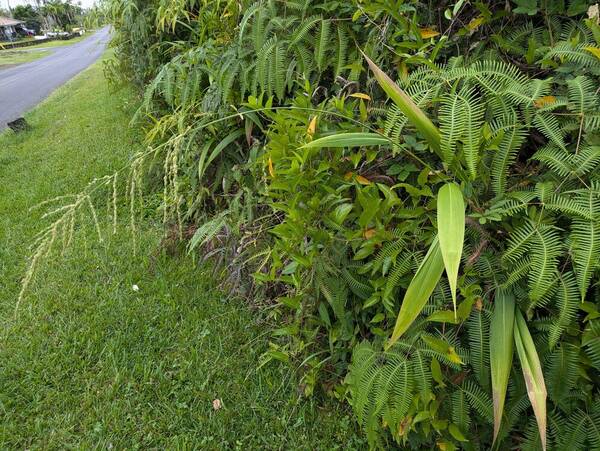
column 451, row 231
column 436, row 372
column 532, row 372
column 206, row 159
column 456, row 433
column 501, row 351
column 348, row 140
column 443, row 347
column 421, row 286
column 414, row 114
column 443, row 316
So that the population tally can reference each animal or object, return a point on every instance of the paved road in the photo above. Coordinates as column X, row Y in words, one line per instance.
column 23, row 87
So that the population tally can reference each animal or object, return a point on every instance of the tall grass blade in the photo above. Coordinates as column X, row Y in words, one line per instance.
column 421, row 286
column 532, row 372
column 451, row 231
column 348, row 140
column 501, row 351
column 415, row 115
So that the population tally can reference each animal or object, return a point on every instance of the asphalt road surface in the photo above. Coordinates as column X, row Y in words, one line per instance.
column 24, row 86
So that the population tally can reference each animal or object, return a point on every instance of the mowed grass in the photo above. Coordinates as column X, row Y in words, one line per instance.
column 11, row 57
column 87, row 362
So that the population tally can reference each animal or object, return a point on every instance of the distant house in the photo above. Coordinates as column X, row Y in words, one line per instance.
column 7, row 28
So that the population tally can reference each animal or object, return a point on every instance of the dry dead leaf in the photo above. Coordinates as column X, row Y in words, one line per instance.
column 363, row 180
column 217, row 404
column 312, row 127
column 271, row 170
column 593, row 12
column 544, row 101
column 479, row 304
column 369, row 233
column 427, row 33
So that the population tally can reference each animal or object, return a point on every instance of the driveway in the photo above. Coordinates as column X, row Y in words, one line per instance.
column 24, row 86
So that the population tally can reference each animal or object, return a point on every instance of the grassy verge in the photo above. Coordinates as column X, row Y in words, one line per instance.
column 53, row 43
column 89, row 362
column 10, row 57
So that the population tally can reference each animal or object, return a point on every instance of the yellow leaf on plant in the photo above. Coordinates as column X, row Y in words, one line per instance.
column 479, row 304
column 427, row 33
column 363, row 180
column 312, row 127
column 348, row 175
column 475, row 23
column 594, row 51
column 404, row 426
column 360, row 95
column 271, row 170
column 544, row 101
column 370, row 233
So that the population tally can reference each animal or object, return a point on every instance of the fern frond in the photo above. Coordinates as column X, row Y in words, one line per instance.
column 558, row 160
column 545, row 251
column 513, row 137
column 567, row 303
column 460, row 410
column 479, row 400
column 582, row 94
column 478, row 329
column 561, row 372
column 566, row 52
column 322, row 42
column 585, row 248
column 548, row 125
column 591, row 342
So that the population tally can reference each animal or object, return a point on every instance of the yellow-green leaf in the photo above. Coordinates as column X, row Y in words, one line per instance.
column 421, row 286
column 456, row 433
column 475, row 23
column 501, row 351
column 414, row 114
column 594, row 51
column 451, row 231
column 360, row 95
column 348, row 140
column 532, row 372
column 443, row 347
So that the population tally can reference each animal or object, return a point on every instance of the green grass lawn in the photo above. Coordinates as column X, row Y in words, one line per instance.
column 61, row 42
column 10, row 57
column 88, row 362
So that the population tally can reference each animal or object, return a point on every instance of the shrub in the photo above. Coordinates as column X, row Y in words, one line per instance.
column 426, row 250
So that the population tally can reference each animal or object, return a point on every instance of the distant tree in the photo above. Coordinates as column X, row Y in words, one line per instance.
column 62, row 14
column 29, row 15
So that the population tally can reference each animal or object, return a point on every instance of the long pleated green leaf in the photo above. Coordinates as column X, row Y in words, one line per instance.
column 501, row 351
column 418, row 292
column 415, row 115
column 532, row 372
column 451, row 231
column 348, row 140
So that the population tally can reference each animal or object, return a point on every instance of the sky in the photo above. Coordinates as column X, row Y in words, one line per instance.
column 4, row 3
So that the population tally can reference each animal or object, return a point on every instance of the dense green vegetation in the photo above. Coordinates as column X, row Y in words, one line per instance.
column 407, row 192
column 50, row 15
column 88, row 362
